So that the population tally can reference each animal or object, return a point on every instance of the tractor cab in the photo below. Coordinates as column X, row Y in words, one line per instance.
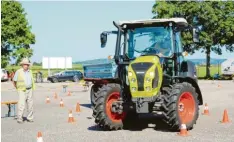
column 153, row 37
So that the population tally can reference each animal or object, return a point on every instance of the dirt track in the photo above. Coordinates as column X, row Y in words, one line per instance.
column 51, row 120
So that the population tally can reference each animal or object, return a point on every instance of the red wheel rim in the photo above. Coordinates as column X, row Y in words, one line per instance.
column 186, row 107
column 115, row 117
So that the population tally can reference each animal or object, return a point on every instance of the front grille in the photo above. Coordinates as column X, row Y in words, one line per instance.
column 140, row 69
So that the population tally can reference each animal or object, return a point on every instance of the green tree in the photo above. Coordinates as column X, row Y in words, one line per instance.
column 215, row 19
column 37, row 64
column 21, row 53
column 16, row 35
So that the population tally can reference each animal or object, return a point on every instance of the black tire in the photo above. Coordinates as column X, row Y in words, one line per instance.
column 93, row 94
column 100, row 114
column 54, row 80
column 76, row 78
column 171, row 105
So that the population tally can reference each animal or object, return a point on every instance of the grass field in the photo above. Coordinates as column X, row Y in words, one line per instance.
column 201, row 70
column 35, row 69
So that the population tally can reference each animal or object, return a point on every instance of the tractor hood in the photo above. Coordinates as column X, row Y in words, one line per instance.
column 145, row 76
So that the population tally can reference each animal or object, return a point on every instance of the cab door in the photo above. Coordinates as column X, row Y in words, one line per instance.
column 179, row 50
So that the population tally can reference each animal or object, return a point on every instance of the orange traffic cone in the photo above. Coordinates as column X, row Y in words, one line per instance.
column 47, row 100
column 206, row 110
column 225, row 117
column 183, row 130
column 70, row 117
column 77, row 107
column 69, row 93
column 61, row 103
column 39, row 137
column 55, row 96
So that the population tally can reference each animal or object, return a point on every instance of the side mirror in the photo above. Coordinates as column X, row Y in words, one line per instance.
column 195, row 35
column 103, row 38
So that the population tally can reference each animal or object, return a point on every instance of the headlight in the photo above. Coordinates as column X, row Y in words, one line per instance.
column 148, row 88
column 148, row 80
column 133, row 89
column 133, row 80
column 129, row 73
column 151, row 74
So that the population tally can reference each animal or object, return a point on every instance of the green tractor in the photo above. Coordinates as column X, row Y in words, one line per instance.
column 151, row 76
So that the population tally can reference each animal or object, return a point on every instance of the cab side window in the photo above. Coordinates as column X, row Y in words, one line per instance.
column 178, row 42
column 179, row 46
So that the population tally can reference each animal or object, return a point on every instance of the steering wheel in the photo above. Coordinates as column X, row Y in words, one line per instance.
column 151, row 50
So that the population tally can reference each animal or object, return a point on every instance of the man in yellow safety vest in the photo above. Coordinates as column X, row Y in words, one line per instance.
column 24, row 83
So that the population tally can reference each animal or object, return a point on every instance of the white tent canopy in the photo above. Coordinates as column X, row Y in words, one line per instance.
column 227, row 67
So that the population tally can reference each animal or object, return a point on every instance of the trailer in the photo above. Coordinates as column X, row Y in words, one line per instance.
column 97, row 74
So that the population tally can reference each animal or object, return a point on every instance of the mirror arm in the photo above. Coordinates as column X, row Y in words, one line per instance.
column 110, row 32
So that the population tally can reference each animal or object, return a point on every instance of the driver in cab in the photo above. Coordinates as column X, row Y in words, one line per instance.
column 162, row 47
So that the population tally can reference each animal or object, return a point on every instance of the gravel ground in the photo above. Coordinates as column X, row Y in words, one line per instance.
column 51, row 120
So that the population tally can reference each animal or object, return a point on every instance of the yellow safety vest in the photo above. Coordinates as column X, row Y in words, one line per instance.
column 20, row 84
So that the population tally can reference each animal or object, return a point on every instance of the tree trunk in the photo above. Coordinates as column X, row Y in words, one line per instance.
column 207, row 62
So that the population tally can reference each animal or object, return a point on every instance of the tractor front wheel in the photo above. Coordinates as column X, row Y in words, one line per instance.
column 104, row 117
column 181, row 105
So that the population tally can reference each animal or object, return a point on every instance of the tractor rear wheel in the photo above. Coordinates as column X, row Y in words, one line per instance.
column 180, row 106
column 103, row 115
column 93, row 94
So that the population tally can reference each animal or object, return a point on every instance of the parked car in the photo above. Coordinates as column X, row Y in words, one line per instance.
column 4, row 75
column 63, row 76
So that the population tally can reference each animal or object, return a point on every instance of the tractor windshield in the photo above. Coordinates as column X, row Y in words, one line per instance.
column 150, row 41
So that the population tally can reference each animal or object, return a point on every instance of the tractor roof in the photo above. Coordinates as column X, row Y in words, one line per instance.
column 178, row 21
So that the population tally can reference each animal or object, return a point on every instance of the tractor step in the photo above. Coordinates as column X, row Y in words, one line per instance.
column 158, row 104
column 158, row 112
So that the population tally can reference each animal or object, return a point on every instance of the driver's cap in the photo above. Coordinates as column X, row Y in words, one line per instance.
column 185, row 53
column 110, row 57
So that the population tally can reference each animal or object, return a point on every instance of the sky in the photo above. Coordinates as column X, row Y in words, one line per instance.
column 72, row 29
